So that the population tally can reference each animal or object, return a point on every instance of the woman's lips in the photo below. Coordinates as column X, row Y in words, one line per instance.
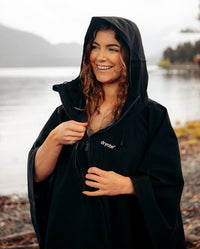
column 103, row 68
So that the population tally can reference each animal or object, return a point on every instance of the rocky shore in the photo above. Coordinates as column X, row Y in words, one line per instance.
column 190, row 203
column 16, row 230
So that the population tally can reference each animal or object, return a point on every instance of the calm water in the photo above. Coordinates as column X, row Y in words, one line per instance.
column 27, row 100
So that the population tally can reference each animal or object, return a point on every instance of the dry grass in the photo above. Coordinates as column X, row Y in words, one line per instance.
column 188, row 137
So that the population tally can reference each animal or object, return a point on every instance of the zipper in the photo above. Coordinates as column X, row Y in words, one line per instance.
column 134, row 102
column 89, row 153
column 79, row 172
column 87, row 149
column 87, row 145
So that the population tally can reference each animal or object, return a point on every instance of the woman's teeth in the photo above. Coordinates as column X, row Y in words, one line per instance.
column 103, row 67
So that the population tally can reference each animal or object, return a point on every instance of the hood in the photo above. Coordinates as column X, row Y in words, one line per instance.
column 70, row 92
column 138, row 76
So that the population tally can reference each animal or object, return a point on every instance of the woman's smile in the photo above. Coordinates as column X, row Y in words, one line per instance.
column 103, row 68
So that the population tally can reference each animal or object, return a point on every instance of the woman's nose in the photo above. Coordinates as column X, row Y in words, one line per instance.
column 101, row 55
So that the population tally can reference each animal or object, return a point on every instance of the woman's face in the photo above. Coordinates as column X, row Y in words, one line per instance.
column 105, row 57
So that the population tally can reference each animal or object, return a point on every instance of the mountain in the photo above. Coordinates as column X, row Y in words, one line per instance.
column 19, row 48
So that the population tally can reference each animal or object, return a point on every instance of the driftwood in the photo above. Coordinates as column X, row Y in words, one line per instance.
column 19, row 241
column 33, row 246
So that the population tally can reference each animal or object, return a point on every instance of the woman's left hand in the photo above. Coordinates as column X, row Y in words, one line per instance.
column 108, row 183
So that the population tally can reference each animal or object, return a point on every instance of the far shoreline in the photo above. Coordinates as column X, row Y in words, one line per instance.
column 189, row 69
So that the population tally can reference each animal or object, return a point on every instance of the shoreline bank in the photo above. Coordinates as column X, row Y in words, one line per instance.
column 190, row 70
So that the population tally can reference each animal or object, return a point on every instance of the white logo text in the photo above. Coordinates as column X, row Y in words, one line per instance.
column 108, row 145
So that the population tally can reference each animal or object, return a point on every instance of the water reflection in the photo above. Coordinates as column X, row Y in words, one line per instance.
column 181, row 95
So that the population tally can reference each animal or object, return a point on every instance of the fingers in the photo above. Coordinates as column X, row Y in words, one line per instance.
column 70, row 132
column 92, row 184
column 97, row 171
column 108, row 183
column 84, row 124
column 93, row 177
column 73, row 134
column 74, row 131
column 93, row 193
column 96, row 180
column 76, row 126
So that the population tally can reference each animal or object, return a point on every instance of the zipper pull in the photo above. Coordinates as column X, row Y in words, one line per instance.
column 86, row 145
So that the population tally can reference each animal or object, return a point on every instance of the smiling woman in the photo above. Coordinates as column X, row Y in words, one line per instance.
column 105, row 57
column 105, row 171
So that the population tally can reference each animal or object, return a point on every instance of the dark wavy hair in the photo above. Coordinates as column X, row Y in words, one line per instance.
column 92, row 89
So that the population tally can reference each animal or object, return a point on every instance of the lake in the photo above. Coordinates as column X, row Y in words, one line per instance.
column 27, row 101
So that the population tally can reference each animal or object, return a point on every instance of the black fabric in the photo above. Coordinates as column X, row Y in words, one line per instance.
column 141, row 144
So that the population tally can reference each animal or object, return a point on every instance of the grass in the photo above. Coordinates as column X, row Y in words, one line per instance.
column 189, row 137
column 191, row 130
column 164, row 63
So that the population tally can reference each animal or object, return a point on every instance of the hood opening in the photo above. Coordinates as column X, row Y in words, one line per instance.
column 137, row 70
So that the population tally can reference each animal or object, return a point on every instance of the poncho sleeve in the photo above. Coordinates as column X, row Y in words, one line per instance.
column 39, row 193
column 159, row 183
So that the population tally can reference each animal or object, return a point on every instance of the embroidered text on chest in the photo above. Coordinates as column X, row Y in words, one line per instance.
column 108, row 145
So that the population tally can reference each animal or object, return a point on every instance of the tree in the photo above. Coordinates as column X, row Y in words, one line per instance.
column 183, row 53
column 169, row 54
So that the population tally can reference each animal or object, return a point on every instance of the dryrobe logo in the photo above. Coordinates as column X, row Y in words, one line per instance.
column 110, row 146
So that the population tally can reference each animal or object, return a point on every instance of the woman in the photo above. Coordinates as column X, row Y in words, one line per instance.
column 105, row 170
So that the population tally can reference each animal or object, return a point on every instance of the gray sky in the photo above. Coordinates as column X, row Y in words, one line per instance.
column 67, row 20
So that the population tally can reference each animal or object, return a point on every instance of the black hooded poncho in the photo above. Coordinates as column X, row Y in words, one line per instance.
column 141, row 144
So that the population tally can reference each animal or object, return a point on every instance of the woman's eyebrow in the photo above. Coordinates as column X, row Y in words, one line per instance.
column 108, row 45
column 111, row 45
column 95, row 43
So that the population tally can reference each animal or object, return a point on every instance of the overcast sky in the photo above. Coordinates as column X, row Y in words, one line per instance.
column 67, row 20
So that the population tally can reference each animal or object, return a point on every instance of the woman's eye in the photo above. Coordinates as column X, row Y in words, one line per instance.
column 94, row 47
column 113, row 50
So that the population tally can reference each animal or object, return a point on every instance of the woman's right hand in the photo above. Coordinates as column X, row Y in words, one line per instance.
column 69, row 132
column 66, row 133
